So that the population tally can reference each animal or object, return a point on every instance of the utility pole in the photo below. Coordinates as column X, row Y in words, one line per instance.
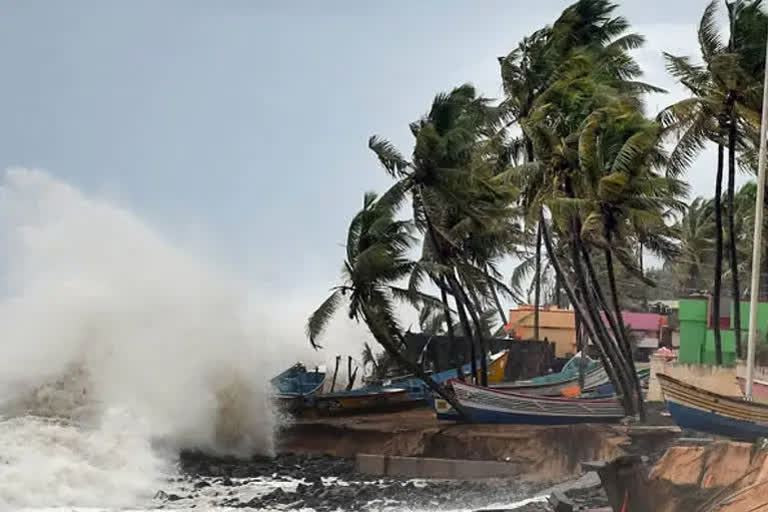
column 756, row 249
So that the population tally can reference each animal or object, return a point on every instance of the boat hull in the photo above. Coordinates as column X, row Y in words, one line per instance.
column 353, row 403
column 703, row 421
column 488, row 405
column 705, row 411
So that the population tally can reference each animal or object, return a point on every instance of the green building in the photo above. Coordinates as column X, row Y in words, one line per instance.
column 697, row 338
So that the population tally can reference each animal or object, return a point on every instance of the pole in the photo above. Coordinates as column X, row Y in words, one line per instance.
column 757, row 238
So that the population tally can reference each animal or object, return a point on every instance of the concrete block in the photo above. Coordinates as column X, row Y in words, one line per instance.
column 371, row 464
column 424, row 467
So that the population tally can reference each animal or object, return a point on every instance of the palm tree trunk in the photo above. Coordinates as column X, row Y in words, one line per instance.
column 732, row 256
column 459, row 295
column 616, row 323
column 623, row 331
column 385, row 339
column 537, row 296
column 449, row 323
column 580, row 348
column 492, row 288
column 581, row 310
column 468, row 337
column 473, row 308
column 621, row 358
column 718, row 256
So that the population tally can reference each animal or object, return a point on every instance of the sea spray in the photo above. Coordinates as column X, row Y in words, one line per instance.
column 101, row 318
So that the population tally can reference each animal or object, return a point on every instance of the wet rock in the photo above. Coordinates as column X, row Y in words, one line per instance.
column 200, row 484
column 226, row 481
column 174, row 497
column 560, row 502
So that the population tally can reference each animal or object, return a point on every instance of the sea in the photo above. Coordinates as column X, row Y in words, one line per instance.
column 119, row 349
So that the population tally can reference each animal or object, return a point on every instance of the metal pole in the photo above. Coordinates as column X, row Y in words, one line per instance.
column 756, row 249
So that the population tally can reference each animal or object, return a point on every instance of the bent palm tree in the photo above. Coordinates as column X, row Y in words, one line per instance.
column 375, row 260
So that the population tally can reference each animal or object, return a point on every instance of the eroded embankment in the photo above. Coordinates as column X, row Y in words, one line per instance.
column 723, row 476
column 533, row 452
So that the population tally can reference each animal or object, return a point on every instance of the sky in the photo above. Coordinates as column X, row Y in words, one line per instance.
column 239, row 128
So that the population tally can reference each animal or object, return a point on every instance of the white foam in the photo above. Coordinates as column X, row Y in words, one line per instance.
column 98, row 314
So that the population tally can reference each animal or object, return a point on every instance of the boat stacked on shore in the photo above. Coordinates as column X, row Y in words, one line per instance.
column 553, row 399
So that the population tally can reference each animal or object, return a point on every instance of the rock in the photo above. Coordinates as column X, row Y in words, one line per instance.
column 226, row 481
column 174, row 497
column 161, row 495
column 201, row 484
column 276, row 495
column 560, row 502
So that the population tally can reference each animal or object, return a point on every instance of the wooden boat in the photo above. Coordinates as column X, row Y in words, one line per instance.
column 759, row 389
column 703, row 410
column 356, row 401
column 555, row 387
column 601, row 385
column 489, row 405
column 418, row 391
column 294, row 385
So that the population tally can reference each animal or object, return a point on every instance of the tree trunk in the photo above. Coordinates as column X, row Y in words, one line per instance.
column 537, row 296
column 385, row 339
column 492, row 288
column 718, row 256
column 458, row 294
column 581, row 349
column 580, row 309
column 468, row 337
column 335, row 373
column 613, row 339
column 623, row 331
column 473, row 314
column 449, row 323
column 558, row 298
column 732, row 256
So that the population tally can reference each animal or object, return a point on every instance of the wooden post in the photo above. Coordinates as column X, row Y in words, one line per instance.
column 335, row 372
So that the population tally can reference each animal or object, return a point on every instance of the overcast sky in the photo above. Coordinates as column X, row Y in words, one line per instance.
column 240, row 127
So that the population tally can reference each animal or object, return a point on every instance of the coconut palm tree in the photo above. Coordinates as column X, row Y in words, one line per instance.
column 697, row 234
column 375, row 260
column 726, row 90
column 455, row 204
column 620, row 152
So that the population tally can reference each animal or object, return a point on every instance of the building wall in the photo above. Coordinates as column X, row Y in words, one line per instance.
column 558, row 326
column 697, row 342
column 719, row 379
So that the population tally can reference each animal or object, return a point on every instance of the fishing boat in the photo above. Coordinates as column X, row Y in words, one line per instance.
column 594, row 377
column 759, row 389
column 362, row 400
column 489, row 405
column 710, row 412
column 418, row 391
column 293, row 386
column 600, row 385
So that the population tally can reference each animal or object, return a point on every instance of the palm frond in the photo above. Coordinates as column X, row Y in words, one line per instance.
column 318, row 320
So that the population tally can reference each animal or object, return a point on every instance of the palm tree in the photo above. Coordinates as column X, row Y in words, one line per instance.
column 588, row 68
column 726, row 89
column 375, row 260
column 625, row 197
column 697, row 234
column 465, row 218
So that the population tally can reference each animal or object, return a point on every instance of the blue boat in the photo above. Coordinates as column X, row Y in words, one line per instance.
column 294, row 385
column 705, row 411
column 418, row 390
